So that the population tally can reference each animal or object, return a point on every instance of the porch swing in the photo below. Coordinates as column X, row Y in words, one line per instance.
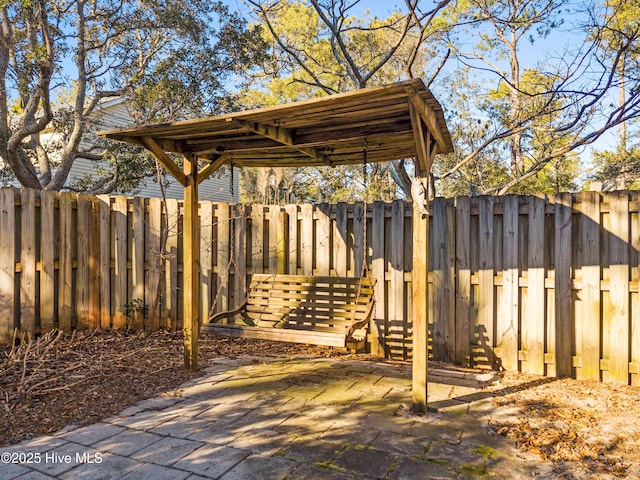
column 317, row 310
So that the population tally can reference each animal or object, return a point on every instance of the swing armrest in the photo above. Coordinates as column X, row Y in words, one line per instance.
column 219, row 316
column 355, row 325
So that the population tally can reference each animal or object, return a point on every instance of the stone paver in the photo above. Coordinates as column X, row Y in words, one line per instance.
column 166, row 451
column 211, row 461
column 156, row 472
column 269, row 467
column 127, row 442
column 365, row 461
column 92, row 433
column 312, row 418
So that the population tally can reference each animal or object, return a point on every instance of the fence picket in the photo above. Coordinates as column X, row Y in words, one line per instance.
column 257, row 238
column 484, row 331
column 206, row 257
column 94, row 263
column 397, row 322
column 137, row 263
column 223, row 247
column 634, row 260
column 48, row 242
column 340, row 240
column 104, row 268
column 83, row 224
column 120, row 271
column 588, row 323
column 561, row 334
column 28, row 260
column 323, row 237
column 463, row 281
column 306, row 239
column 507, row 319
column 292, row 240
column 533, row 321
column 619, row 287
column 239, row 244
column 7, row 262
column 154, row 253
column 437, row 265
column 65, row 272
column 378, row 330
column 172, row 224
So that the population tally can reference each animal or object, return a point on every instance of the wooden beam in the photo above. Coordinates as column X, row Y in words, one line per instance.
column 285, row 137
column 428, row 117
column 420, row 359
column 191, row 262
column 213, row 166
column 164, row 160
column 422, row 154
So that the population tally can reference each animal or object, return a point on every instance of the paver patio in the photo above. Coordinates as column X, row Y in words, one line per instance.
column 285, row 419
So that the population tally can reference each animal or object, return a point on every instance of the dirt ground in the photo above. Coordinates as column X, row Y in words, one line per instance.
column 587, row 427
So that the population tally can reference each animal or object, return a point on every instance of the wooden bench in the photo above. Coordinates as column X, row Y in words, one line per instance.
column 330, row 311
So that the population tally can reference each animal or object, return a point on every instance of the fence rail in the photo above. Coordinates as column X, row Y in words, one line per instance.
column 546, row 286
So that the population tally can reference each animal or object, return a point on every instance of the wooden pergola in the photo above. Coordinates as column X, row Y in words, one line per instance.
column 397, row 121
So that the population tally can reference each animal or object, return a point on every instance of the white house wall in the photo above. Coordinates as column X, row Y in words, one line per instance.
column 114, row 114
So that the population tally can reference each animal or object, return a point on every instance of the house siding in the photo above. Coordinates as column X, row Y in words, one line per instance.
column 115, row 114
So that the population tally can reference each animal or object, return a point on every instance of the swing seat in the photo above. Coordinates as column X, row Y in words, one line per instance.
column 327, row 311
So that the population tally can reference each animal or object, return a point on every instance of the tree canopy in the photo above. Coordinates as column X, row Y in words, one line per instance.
column 59, row 60
column 528, row 85
column 519, row 118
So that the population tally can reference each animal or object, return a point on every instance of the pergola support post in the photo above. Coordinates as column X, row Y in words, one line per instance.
column 191, row 264
column 420, row 308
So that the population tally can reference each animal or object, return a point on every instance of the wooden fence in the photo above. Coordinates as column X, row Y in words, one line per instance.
column 546, row 286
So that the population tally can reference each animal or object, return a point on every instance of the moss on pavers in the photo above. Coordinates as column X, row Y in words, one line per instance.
column 311, row 451
column 365, row 461
column 411, row 468
column 260, row 466
column 312, row 472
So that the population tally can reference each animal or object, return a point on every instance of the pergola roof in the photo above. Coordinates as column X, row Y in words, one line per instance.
column 372, row 125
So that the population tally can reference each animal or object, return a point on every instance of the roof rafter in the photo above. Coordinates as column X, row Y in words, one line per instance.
column 285, row 136
column 422, row 150
column 429, row 118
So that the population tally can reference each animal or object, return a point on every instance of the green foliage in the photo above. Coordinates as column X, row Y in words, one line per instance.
column 320, row 48
column 170, row 60
column 618, row 169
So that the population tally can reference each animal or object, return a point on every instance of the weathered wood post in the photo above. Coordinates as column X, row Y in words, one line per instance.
column 420, row 306
column 191, row 264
